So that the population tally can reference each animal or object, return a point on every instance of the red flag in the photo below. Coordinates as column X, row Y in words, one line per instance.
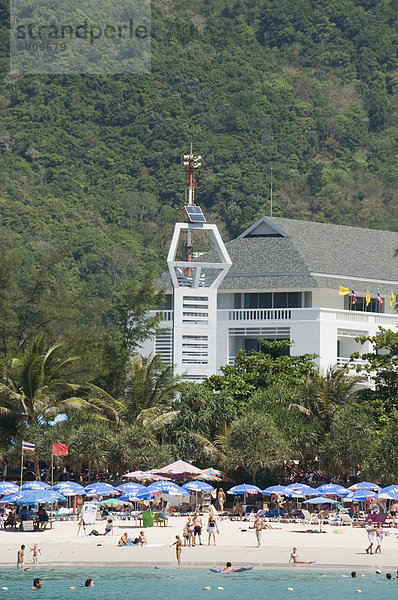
column 60, row 449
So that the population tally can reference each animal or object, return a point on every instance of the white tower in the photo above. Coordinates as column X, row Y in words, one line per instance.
column 195, row 282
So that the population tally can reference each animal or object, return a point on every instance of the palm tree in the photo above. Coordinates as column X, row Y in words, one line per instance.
column 33, row 389
column 151, row 387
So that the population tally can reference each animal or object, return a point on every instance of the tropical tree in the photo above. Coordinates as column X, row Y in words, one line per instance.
column 34, row 389
column 151, row 387
column 254, row 443
column 322, row 395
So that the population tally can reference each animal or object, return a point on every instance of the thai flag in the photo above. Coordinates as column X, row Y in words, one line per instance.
column 353, row 298
column 379, row 299
column 28, row 446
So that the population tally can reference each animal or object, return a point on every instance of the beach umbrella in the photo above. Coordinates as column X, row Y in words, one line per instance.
column 359, row 495
column 70, row 488
column 388, row 489
column 166, row 487
column 180, row 469
column 113, row 502
column 101, row 489
column 332, row 488
column 244, row 488
column 198, row 486
column 7, row 487
column 35, row 485
column 144, row 476
column 275, row 489
column 300, row 489
column 30, row 497
column 138, row 497
column 320, row 500
column 364, row 485
column 131, row 487
column 392, row 495
column 212, row 475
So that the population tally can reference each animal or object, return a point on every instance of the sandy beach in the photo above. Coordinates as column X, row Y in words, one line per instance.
column 236, row 543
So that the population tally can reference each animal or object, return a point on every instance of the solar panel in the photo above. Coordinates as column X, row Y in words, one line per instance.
column 195, row 214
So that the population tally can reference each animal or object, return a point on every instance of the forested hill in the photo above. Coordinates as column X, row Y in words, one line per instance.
column 92, row 163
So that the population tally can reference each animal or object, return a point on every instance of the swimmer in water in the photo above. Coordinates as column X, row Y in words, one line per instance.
column 294, row 557
column 228, row 568
column 89, row 583
column 353, row 574
column 37, row 584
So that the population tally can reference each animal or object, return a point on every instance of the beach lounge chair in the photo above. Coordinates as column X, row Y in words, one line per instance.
column 160, row 519
column 345, row 519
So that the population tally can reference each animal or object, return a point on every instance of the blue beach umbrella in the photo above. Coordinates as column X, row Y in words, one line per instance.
column 166, row 487
column 131, row 488
column 301, row 489
column 130, row 496
column 198, row 486
column 388, row 495
column 320, row 500
column 70, row 488
column 332, row 488
column 31, row 497
column 244, row 488
column 35, row 485
column 275, row 489
column 388, row 489
column 101, row 489
column 364, row 485
column 360, row 495
column 6, row 487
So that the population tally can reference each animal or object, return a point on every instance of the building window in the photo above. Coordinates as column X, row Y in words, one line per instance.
column 360, row 305
column 273, row 300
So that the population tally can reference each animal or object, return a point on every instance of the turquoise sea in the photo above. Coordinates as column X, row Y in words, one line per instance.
column 175, row 584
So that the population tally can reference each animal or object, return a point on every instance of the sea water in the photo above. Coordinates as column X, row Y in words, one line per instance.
column 187, row 583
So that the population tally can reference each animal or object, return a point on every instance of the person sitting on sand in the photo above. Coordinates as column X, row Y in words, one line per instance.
column 124, row 540
column 294, row 557
column 142, row 539
column 228, row 568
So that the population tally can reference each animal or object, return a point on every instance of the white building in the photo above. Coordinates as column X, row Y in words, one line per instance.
column 279, row 280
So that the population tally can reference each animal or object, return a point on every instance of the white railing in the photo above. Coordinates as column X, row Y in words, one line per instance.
column 259, row 314
column 343, row 361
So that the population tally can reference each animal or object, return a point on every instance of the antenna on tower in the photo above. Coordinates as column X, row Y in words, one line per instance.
column 271, row 193
column 191, row 162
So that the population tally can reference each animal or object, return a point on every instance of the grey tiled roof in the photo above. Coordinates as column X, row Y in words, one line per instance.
column 313, row 255
column 308, row 253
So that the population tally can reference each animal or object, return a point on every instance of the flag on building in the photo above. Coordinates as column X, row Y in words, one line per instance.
column 353, row 298
column 392, row 298
column 60, row 449
column 379, row 299
column 343, row 291
column 367, row 298
column 28, row 446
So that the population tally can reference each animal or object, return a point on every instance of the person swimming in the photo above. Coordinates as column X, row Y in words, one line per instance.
column 89, row 582
column 37, row 584
column 228, row 568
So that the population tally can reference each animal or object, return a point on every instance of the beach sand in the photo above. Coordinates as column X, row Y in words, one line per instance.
column 236, row 543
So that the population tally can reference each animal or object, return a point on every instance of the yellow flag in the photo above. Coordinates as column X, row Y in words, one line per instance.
column 343, row 291
column 392, row 298
column 367, row 298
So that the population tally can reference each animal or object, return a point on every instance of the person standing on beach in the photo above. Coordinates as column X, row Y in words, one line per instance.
column 178, row 545
column 212, row 527
column 379, row 537
column 371, row 536
column 197, row 525
column 221, row 499
column 20, row 557
column 258, row 527
column 36, row 551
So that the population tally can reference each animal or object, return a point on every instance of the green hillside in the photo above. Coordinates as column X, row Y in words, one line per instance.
column 90, row 165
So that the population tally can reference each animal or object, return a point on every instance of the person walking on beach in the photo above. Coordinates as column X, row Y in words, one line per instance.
column 197, row 526
column 295, row 558
column 212, row 527
column 36, row 551
column 20, row 557
column 379, row 537
column 178, row 545
column 258, row 527
column 371, row 536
